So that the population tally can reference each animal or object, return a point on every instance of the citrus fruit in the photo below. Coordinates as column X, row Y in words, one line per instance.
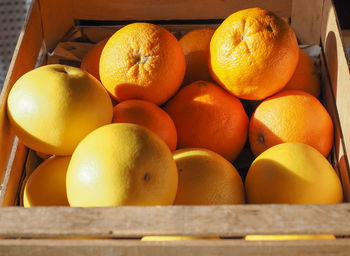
column 46, row 186
column 176, row 238
column 149, row 116
column 253, row 54
column 292, row 173
column 305, row 76
column 195, row 46
column 291, row 116
column 91, row 60
column 142, row 61
column 52, row 108
column 206, row 116
column 121, row 164
column 206, row 178
column 287, row 237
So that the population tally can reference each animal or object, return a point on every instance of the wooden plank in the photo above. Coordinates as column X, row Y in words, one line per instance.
column 306, row 20
column 346, row 37
column 339, row 160
column 24, row 58
column 224, row 220
column 339, row 247
column 57, row 19
column 95, row 33
column 339, row 80
column 13, row 174
column 168, row 10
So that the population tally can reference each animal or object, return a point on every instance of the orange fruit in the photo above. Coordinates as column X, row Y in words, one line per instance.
column 305, row 76
column 142, row 61
column 147, row 115
column 291, row 116
column 91, row 60
column 253, row 54
column 206, row 116
column 206, row 178
column 195, row 46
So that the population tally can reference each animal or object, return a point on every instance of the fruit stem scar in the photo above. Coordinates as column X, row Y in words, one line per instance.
column 261, row 138
column 269, row 28
column 62, row 71
column 201, row 83
column 141, row 59
column 147, row 177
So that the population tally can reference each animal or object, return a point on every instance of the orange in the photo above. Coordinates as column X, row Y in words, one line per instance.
column 206, row 178
column 147, row 115
column 291, row 116
column 253, row 54
column 195, row 45
column 142, row 61
column 305, row 77
column 206, row 116
column 91, row 60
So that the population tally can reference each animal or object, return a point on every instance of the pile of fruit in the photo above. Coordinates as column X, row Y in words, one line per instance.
column 152, row 120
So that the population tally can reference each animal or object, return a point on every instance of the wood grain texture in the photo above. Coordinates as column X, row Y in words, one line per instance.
column 339, row 81
column 168, row 10
column 346, row 37
column 339, row 159
column 339, row 247
column 225, row 220
column 306, row 20
column 57, row 19
column 24, row 59
column 13, row 174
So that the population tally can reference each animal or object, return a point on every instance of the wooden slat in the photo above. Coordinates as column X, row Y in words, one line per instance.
column 168, row 10
column 339, row 160
column 225, row 220
column 13, row 173
column 306, row 20
column 24, row 58
column 57, row 17
column 339, row 80
column 346, row 37
column 339, row 247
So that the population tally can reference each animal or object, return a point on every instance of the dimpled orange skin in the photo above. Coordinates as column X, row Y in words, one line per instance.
column 291, row 116
column 206, row 116
column 142, row 61
column 253, row 54
column 195, row 45
column 305, row 77
column 149, row 116
column 91, row 60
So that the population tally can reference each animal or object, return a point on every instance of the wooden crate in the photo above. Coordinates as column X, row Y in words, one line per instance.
column 39, row 230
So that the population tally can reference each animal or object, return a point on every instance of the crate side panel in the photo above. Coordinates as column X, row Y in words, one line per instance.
column 223, row 247
column 306, row 20
column 339, row 75
column 57, row 19
column 221, row 220
column 24, row 59
column 170, row 10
